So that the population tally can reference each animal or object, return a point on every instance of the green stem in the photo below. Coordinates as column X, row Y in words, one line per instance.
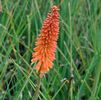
column 97, row 77
column 71, row 91
column 37, row 89
column 71, row 51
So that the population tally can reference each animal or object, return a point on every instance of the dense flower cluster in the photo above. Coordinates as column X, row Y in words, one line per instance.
column 44, row 52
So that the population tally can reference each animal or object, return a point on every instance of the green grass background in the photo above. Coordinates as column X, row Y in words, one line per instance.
column 76, row 74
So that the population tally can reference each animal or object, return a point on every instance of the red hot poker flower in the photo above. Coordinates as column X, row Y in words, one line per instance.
column 44, row 52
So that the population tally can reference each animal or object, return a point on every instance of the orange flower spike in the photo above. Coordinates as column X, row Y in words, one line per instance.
column 44, row 52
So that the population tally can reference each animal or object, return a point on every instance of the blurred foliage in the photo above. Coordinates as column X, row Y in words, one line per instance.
column 77, row 69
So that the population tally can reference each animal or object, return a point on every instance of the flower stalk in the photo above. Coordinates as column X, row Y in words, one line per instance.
column 37, row 89
column 45, row 46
